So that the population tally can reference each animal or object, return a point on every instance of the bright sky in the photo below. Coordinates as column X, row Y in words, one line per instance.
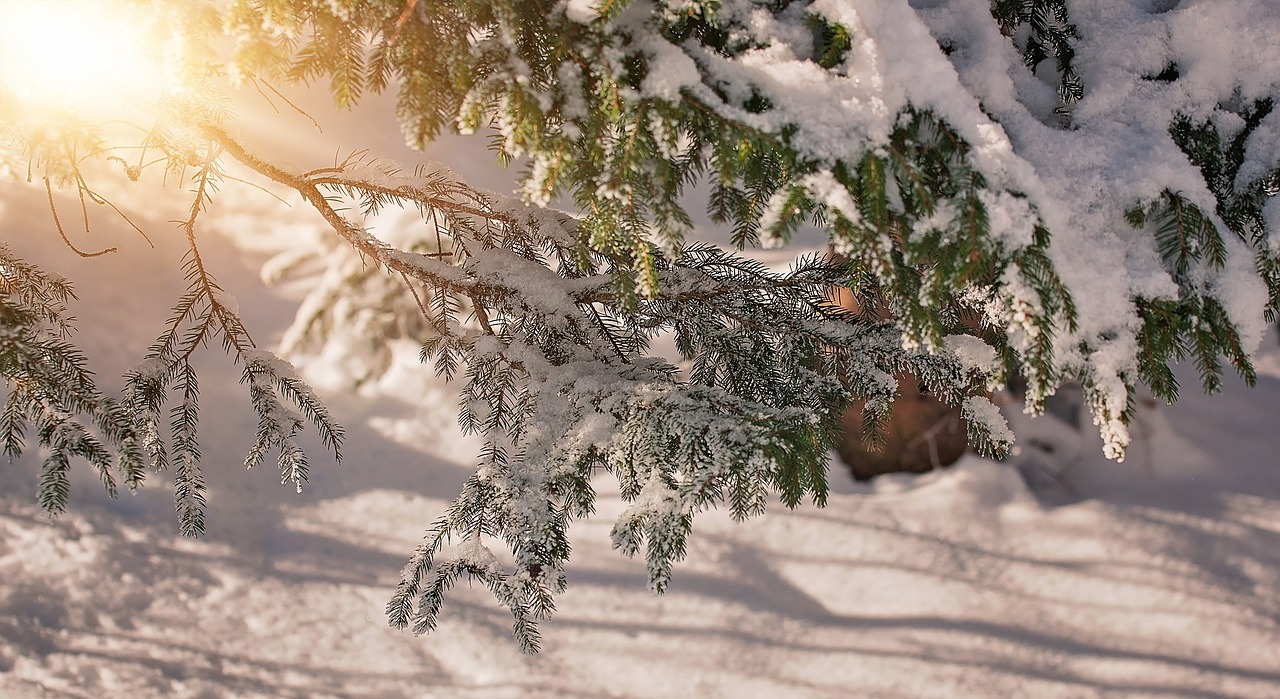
column 76, row 55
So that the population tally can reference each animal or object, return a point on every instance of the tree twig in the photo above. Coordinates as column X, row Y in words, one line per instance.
column 58, row 224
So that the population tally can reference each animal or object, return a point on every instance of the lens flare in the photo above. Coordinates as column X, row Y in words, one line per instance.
column 75, row 55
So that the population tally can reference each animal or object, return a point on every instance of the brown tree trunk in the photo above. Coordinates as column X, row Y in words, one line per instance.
column 922, row 433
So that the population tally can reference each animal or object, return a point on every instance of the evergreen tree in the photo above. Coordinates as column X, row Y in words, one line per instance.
column 1069, row 191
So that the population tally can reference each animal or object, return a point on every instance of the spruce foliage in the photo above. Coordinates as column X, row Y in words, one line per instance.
column 51, row 391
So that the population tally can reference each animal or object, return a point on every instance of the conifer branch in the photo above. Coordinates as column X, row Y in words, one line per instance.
column 938, row 199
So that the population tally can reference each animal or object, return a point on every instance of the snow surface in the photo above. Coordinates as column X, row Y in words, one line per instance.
column 1159, row 577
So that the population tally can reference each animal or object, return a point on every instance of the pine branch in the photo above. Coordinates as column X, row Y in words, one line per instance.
column 51, row 389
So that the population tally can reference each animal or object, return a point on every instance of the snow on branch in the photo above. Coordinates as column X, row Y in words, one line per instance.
column 1080, row 191
column 558, row 383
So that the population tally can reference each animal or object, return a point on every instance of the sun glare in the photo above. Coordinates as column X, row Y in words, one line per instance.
column 77, row 55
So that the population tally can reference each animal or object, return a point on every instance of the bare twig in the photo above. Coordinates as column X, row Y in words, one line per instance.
column 101, row 200
column 421, row 306
column 286, row 100
column 58, row 224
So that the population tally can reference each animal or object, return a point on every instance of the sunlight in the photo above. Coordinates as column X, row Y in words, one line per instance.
column 75, row 55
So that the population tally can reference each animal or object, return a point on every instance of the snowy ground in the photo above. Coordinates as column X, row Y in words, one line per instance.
column 1156, row 577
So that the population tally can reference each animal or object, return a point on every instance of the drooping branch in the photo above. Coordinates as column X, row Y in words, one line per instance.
column 488, row 207
column 559, row 384
column 425, row 269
